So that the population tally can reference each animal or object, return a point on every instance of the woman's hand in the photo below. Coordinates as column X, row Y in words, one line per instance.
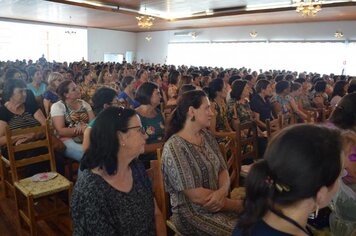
column 215, row 201
column 24, row 138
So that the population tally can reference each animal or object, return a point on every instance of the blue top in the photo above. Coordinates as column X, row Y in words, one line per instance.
column 37, row 92
column 123, row 97
column 50, row 96
column 261, row 229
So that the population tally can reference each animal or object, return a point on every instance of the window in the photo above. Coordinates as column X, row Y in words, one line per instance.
column 30, row 41
column 321, row 57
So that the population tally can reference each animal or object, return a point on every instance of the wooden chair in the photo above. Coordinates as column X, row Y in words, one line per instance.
column 6, row 179
column 36, row 200
column 273, row 127
column 246, row 143
column 164, row 196
column 155, row 175
column 228, row 150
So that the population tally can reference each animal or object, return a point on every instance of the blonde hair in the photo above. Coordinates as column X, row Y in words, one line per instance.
column 52, row 78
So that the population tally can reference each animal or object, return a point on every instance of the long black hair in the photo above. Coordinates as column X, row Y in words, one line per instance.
column 179, row 115
column 297, row 163
column 215, row 86
column 104, row 142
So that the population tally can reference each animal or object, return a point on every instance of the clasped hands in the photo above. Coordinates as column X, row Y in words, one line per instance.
column 215, row 201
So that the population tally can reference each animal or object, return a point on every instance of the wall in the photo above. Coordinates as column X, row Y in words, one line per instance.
column 102, row 41
column 156, row 50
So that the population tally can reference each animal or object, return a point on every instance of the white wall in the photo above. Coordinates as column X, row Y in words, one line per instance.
column 156, row 50
column 101, row 41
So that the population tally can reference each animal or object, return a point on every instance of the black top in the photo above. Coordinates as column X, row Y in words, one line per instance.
column 99, row 209
column 261, row 107
column 25, row 120
column 261, row 229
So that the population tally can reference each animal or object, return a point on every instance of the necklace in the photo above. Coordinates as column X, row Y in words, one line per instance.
column 291, row 221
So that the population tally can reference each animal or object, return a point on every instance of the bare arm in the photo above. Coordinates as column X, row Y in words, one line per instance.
column 47, row 106
column 86, row 139
column 91, row 115
column 260, row 123
column 219, row 133
column 58, row 123
column 295, row 108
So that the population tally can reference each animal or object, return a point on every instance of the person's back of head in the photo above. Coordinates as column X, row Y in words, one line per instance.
column 299, row 163
column 103, row 96
column 344, row 114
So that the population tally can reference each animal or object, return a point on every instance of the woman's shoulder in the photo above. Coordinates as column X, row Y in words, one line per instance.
column 5, row 114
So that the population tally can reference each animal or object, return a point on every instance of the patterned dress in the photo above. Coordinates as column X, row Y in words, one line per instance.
column 188, row 166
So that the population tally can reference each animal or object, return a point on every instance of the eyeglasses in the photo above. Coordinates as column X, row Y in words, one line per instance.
column 141, row 129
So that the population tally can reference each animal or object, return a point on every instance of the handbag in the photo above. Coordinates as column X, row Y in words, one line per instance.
column 79, row 138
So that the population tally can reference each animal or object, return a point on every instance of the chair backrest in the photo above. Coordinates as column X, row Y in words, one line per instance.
column 155, row 174
column 228, row 150
column 246, row 142
column 273, row 126
column 12, row 149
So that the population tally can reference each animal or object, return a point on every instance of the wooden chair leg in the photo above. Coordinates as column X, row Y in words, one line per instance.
column 31, row 214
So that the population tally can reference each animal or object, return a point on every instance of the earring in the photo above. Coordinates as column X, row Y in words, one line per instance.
column 123, row 144
column 192, row 119
column 316, row 211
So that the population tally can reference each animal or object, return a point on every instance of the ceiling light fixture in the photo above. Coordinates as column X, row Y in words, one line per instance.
column 308, row 7
column 148, row 38
column 145, row 22
column 253, row 34
column 339, row 34
column 194, row 35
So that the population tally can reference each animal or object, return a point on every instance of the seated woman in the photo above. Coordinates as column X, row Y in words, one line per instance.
column 340, row 89
column 106, row 79
column 19, row 112
column 319, row 97
column 295, row 102
column 149, row 96
column 195, row 173
column 50, row 96
column 37, row 86
column 70, row 117
column 279, row 197
column 102, row 99
column 172, row 93
column 113, row 195
column 219, row 124
column 87, row 86
column 281, row 101
column 126, row 97
column 238, row 107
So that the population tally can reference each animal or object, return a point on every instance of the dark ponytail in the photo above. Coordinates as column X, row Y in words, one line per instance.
column 179, row 114
column 258, row 192
column 297, row 163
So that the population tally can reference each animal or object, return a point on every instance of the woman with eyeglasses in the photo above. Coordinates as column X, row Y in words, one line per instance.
column 50, row 96
column 113, row 195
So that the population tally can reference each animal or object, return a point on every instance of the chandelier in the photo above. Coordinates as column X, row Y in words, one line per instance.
column 309, row 7
column 339, row 34
column 145, row 22
column 253, row 34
